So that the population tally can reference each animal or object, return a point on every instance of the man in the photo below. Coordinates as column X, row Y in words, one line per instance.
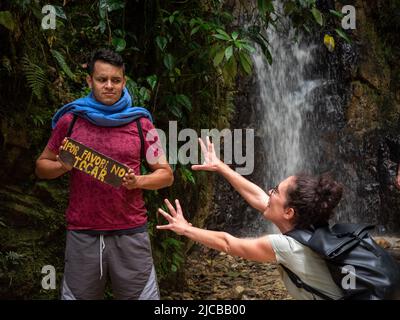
column 106, row 226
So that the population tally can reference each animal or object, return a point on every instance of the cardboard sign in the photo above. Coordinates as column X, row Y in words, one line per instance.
column 93, row 163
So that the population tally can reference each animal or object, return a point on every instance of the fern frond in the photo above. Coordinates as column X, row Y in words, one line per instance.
column 35, row 77
column 62, row 63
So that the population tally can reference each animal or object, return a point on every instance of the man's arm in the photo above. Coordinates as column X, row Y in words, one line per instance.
column 161, row 177
column 253, row 194
column 49, row 165
column 259, row 249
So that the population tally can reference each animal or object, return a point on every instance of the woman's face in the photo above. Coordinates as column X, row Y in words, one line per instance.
column 277, row 205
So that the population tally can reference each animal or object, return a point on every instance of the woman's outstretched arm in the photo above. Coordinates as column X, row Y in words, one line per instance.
column 258, row 249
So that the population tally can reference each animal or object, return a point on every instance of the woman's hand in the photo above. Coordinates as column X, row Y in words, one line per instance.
column 177, row 222
column 211, row 161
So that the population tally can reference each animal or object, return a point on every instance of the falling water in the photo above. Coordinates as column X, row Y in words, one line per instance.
column 297, row 107
column 284, row 99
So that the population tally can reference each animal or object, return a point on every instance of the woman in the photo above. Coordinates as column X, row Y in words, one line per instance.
column 298, row 201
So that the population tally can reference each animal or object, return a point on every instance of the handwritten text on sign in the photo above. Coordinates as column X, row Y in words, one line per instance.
column 94, row 163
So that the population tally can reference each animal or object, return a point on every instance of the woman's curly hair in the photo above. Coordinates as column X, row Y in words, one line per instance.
column 313, row 199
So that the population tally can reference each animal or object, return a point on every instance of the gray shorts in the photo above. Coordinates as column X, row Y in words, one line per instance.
column 126, row 259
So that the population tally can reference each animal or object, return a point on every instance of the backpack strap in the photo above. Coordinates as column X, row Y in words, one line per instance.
column 71, row 125
column 140, row 130
column 301, row 285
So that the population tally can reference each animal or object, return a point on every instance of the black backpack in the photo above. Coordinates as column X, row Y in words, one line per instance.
column 349, row 247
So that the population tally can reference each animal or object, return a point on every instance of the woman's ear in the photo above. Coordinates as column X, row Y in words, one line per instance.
column 289, row 214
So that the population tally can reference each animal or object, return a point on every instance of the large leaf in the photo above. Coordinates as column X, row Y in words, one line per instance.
column 119, row 44
column 184, row 101
column 60, row 12
column 219, row 57
column 223, row 33
column 228, row 52
column 152, row 81
column 221, row 37
column 169, row 61
column 317, row 16
column 7, row 20
column 343, row 35
column 230, row 69
column 161, row 42
column 115, row 5
column 62, row 63
column 245, row 62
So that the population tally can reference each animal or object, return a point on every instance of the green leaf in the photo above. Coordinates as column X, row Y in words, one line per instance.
column 61, row 62
column 249, row 48
column 317, row 16
column 336, row 13
column 223, row 33
column 343, row 35
column 144, row 94
column 184, row 101
column 219, row 57
column 152, row 81
column 119, row 44
column 228, row 53
column 60, row 12
column 245, row 62
column 194, row 30
column 161, row 42
column 7, row 20
column 221, row 37
column 268, row 55
column 235, row 35
column 176, row 111
column 230, row 69
column 35, row 76
column 169, row 61
column 114, row 5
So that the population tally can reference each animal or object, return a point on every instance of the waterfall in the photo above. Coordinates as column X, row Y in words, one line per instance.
column 284, row 100
column 298, row 107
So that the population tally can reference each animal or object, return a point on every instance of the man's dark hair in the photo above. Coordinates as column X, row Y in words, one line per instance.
column 313, row 199
column 108, row 56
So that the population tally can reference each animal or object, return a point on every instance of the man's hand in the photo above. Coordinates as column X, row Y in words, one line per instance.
column 64, row 165
column 130, row 180
column 211, row 161
column 177, row 222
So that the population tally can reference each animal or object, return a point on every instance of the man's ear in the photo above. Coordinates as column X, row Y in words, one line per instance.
column 289, row 214
column 89, row 81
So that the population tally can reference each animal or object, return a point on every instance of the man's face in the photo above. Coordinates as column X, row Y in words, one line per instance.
column 106, row 82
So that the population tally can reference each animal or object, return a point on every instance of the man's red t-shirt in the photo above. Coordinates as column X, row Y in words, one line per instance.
column 94, row 205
